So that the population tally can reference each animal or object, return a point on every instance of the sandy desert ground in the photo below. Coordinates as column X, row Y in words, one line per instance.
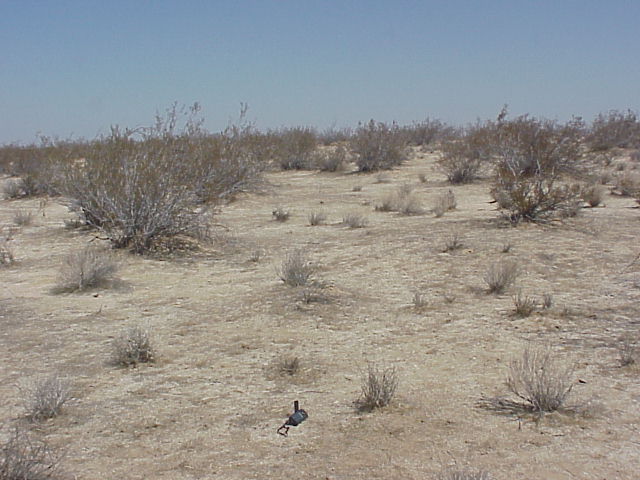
column 210, row 405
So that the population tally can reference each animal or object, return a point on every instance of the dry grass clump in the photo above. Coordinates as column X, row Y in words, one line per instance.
column 7, row 257
column 540, row 380
column 523, row 305
column 288, row 365
column 280, row 214
column 628, row 352
column 593, row 194
column 500, row 276
column 296, row 269
column 378, row 146
column 379, row 386
column 354, row 220
column 132, row 347
column 444, row 203
column 452, row 243
column 45, row 397
column 465, row 475
column 23, row 218
column 317, row 218
column 420, row 301
column 22, row 458
column 89, row 267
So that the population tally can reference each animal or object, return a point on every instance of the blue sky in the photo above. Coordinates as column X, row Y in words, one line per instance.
column 77, row 67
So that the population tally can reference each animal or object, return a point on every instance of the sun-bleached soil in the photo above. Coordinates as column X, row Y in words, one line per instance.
column 210, row 405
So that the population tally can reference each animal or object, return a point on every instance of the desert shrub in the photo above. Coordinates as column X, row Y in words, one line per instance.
column 287, row 365
column 13, row 188
column 45, row 397
column 354, row 220
column 331, row 159
column 628, row 352
column 140, row 186
column 523, row 305
column 593, row 194
column 540, row 380
column 453, row 242
column 333, row 135
column 379, row 386
column 87, row 268
column 296, row 270
column 132, row 347
column 533, row 199
column 420, row 301
column 614, row 129
column 280, row 214
column 426, row 132
column 22, row 458
column 297, row 147
column 547, row 301
column 401, row 200
column 628, row 184
column 500, row 276
column 7, row 257
column 531, row 157
column 465, row 475
column 458, row 162
column 23, row 218
column 317, row 218
column 378, row 146
column 444, row 203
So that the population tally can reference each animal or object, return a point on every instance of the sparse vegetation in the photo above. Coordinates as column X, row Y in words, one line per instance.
column 22, row 458
column 593, row 194
column 523, row 304
column 280, row 214
column 13, row 188
column 378, row 146
column 540, row 380
column 45, row 397
column 453, row 243
column 89, row 267
column 7, row 256
column 500, row 276
column 331, row 159
column 628, row 352
column 288, row 365
column 444, row 203
column 379, row 386
column 297, row 147
column 547, row 301
column 317, row 218
column 614, row 129
column 23, row 218
column 132, row 347
column 465, row 475
column 354, row 220
column 420, row 301
column 296, row 270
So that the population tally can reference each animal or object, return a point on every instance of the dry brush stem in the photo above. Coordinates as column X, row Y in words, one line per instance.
column 45, row 397
column 540, row 380
column 379, row 386
column 22, row 458
column 88, row 268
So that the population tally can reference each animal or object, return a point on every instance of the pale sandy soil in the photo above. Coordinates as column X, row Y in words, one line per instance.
column 210, row 406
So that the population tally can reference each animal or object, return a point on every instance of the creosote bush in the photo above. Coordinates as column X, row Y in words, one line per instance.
column 89, row 267
column 132, row 347
column 379, row 386
column 378, row 146
column 144, row 185
column 45, row 398
column 540, row 380
column 501, row 275
column 331, row 159
column 22, row 458
column 297, row 148
column 296, row 270
column 614, row 129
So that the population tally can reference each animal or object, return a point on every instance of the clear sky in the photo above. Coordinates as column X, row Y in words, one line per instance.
column 76, row 67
